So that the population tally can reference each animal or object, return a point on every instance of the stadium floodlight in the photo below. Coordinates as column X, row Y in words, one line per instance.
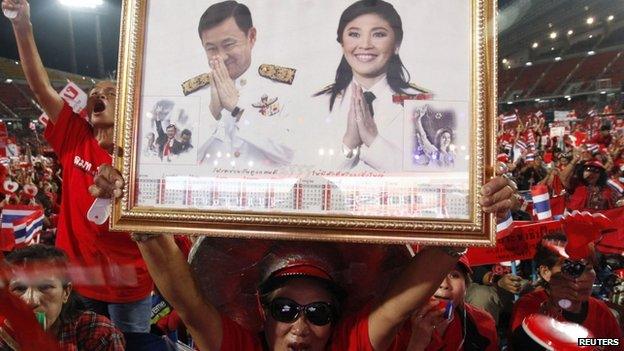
column 558, row 58
column 82, row 3
column 8, row 81
column 610, row 18
column 535, row 45
column 570, row 32
column 568, row 97
column 591, row 53
column 603, row 92
column 553, row 35
column 589, row 20
column 529, row 63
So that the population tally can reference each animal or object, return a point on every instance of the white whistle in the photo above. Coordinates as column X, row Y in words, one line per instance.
column 100, row 211
column 565, row 303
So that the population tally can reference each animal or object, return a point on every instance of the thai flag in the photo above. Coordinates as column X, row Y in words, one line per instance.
column 541, row 202
column 507, row 146
column 24, row 229
column 616, row 186
column 529, row 157
column 13, row 213
column 521, row 144
column 593, row 148
column 504, row 227
column 539, row 114
column 510, row 118
column 592, row 113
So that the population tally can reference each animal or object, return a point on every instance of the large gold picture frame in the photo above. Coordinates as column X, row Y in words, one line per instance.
column 140, row 22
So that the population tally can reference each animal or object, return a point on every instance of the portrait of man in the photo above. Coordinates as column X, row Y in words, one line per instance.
column 245, row 99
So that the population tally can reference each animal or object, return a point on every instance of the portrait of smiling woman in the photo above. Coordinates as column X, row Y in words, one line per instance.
column 365, row 123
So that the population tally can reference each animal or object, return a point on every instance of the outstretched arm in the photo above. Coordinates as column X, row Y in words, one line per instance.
column 172, row 275
column 35, row 73
column 421, row 278
column 416, row 284
column 169, row 270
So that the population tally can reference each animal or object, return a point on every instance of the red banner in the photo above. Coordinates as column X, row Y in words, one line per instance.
column 519, row 245
column 524, row 237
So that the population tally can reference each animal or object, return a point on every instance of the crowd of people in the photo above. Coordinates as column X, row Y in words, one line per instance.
column 78, row 286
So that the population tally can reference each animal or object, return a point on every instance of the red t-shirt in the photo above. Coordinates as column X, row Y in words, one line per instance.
column 600, row 321
column 453, row 338
column 578, row 200
column 111, row 261
column 351, row 334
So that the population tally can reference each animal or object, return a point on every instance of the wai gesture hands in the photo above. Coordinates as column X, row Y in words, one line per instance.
column 223, row 92
column 361, row 127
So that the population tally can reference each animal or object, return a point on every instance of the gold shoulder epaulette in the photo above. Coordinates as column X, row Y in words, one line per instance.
column 421, row 89
column 194, row 84
column 277, row 73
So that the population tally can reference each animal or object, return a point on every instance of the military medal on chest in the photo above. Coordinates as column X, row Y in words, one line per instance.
column 267, row 106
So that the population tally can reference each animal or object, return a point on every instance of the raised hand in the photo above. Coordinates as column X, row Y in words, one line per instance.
column 424, row 321
column 107, row 183
column 20, row 8
column 499, row 196
column 511, row 283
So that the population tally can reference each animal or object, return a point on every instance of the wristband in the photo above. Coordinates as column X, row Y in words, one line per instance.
column 141, row 238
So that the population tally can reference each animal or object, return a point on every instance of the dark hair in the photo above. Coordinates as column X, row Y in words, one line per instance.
column 172, row 126
column 438, row 136
column 186, row 132
column 37, row 253
column 397, row 75
column 219, row 12
column 544, row 256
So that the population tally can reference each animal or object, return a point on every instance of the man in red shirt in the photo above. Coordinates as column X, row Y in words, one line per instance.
column 468, row 328
column 120, row 285
column 584, row 309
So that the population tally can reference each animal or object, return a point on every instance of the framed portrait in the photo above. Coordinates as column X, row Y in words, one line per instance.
column 361, row 121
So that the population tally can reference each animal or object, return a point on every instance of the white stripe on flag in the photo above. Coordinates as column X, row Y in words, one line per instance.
column 505, row 224
column 541, row 197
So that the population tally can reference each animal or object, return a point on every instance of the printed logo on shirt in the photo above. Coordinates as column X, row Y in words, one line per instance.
column 84, row 165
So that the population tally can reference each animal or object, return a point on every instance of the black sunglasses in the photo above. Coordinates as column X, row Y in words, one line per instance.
column 287, row 311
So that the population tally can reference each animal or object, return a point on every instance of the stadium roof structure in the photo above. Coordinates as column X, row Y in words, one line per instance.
column 16, row 99
column 12, row 69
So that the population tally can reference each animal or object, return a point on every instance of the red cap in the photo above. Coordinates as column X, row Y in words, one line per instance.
column 302, row 269
column 555, row 335
column 464, row 262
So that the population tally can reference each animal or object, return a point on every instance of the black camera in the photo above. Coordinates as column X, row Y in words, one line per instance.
column 573, row 269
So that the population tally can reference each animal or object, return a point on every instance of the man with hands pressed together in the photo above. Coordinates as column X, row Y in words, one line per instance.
column 245, row 125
